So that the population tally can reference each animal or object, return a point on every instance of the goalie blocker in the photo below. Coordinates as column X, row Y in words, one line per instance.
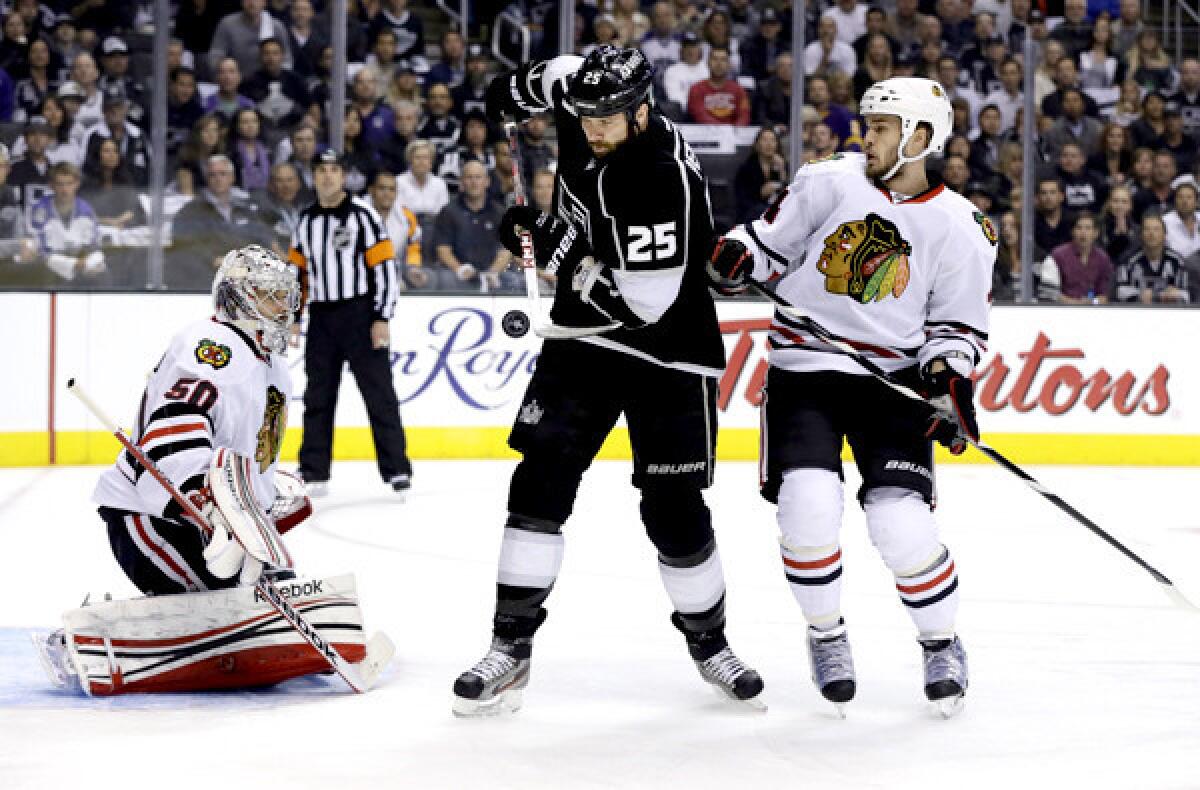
column 224, row 639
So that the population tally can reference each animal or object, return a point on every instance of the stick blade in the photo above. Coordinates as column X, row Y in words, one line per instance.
column 1178, row 598
column 380, row 650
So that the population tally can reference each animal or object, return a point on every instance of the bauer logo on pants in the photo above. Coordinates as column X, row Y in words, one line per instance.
column 866, row 259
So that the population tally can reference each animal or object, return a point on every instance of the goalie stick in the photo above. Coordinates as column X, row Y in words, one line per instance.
column 542, row 325
column 379, row 648
column 1168, row 586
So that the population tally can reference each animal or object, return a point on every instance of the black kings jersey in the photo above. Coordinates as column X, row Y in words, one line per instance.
column 645, row 211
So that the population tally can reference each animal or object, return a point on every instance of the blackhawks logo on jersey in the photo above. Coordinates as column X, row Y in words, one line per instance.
column 210, row 352
column 866, row 259
column 270, row 435
column 988, row 227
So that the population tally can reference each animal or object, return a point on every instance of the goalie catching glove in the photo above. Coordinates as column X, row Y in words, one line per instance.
column 586, row 293
column 953, row 396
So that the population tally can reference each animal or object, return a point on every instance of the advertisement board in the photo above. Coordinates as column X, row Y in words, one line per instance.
column 1059, row 385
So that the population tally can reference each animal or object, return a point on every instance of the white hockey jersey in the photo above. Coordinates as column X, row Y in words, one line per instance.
column 903, row 283
column 213, row 388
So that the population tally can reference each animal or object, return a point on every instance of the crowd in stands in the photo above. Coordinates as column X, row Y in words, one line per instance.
column 248, row 110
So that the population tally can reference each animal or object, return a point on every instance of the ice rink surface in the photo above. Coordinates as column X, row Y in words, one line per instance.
column 1082, row 673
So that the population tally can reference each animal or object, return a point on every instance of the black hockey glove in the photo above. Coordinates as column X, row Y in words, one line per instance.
column 503, row 99
column 729, row 266
column 586, row 294
column 556, row 244
column 953, row 396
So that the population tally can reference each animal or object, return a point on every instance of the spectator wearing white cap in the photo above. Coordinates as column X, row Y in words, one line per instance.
column 129, row 139
column 114, row 63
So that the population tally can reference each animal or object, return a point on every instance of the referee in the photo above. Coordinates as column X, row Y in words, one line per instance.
column 347, row 271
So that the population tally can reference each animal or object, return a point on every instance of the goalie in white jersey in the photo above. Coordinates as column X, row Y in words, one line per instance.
column 901, row 270
column 216, row 402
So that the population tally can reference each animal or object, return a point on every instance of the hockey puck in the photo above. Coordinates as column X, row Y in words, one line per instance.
column 515, row 323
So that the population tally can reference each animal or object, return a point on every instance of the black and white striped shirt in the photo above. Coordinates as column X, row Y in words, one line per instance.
column 343, row 253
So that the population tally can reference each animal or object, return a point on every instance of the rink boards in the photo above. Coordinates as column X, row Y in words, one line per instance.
column 1071, row 385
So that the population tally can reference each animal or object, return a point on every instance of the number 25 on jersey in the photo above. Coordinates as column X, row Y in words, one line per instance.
column 648, row 244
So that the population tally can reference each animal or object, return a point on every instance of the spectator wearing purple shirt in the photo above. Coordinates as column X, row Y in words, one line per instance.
column 1084, row 271
column 377, row 117
column 835, row 116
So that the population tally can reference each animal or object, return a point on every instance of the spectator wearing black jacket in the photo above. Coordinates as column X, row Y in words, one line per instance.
column 469, row 95
column 305, row 38
column 183, row 108
column 409, row 30
column 761, row 50
column 1153, row 273
column 279, row 94
column 1052, row 223
column 773, row 100
column 134, row 151
column 760, row 177
column 217, row 219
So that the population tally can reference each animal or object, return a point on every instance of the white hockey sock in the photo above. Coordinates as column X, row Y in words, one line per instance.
column 529, row 559
column 694, row 584
column 815, row 578
column 931, row 597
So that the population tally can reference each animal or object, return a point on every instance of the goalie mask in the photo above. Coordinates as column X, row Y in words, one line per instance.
column 914, row 100
column 259, row 293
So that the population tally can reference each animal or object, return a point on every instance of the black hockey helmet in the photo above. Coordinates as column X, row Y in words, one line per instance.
column 611, row 80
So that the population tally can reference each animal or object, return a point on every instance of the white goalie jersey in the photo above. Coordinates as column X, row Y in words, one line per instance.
column 213, row 388
column 902, row 282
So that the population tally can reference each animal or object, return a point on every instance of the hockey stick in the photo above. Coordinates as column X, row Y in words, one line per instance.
column 542, row 325
column 379, row 649
column 848, row 350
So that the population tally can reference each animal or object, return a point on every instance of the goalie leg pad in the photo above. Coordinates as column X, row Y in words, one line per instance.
column 214, row 640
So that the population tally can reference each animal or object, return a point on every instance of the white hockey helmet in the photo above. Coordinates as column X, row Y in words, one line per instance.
column 259, row 293
column 914, row 100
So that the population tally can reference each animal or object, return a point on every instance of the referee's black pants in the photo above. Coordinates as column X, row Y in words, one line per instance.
column 339, row 333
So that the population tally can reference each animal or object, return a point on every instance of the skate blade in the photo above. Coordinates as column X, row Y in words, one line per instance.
column 840, row 707
column 949, row 707
column 504, row 703
column 754, row 704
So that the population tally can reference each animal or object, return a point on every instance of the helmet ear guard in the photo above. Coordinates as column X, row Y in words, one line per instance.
column 914, row 100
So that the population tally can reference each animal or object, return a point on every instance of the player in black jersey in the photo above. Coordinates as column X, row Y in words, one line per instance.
column 632, row 235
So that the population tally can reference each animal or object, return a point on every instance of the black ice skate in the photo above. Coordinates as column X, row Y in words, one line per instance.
column 945, row 674
column 832, row 665
column 720, row 666
column 497, row 681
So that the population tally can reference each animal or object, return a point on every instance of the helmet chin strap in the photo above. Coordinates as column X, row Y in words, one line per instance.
column 901, row 159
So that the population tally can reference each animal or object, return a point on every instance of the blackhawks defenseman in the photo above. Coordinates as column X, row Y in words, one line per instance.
column 900, row 268
column 632, row 236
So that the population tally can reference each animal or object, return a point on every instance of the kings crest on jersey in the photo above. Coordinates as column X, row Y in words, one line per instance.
column 645, row 211
column 902, row 279
column 214, row 387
